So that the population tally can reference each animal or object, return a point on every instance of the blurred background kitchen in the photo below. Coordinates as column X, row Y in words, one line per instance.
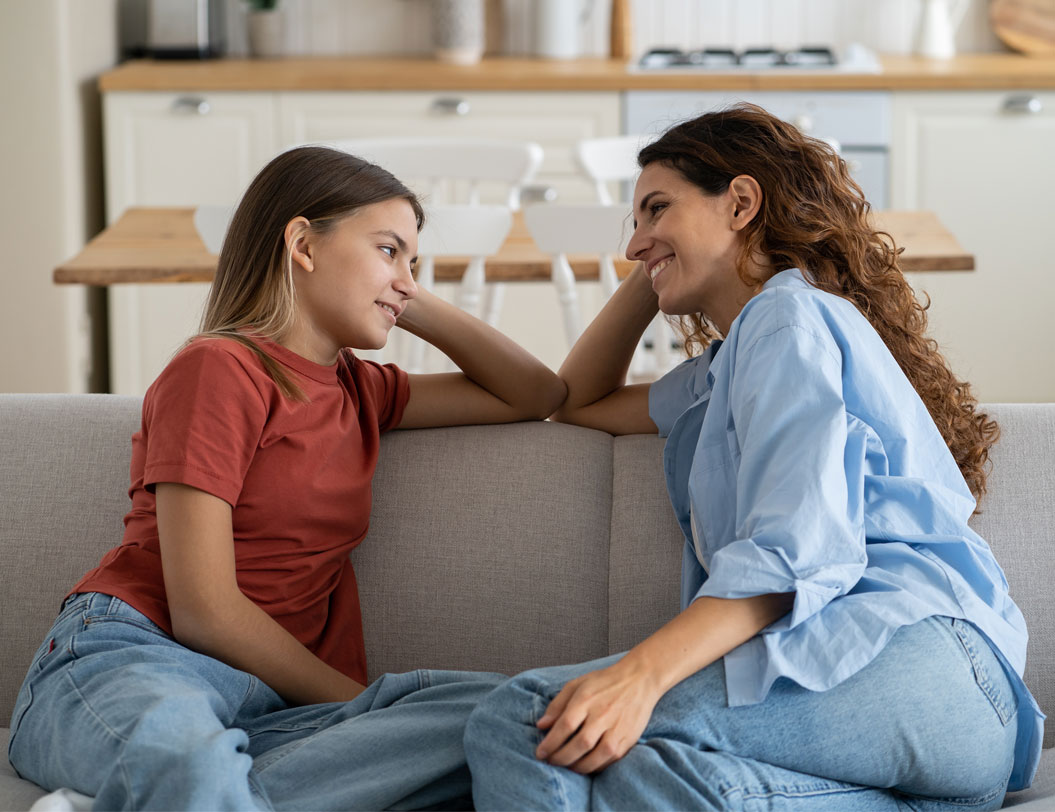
column 971, row 141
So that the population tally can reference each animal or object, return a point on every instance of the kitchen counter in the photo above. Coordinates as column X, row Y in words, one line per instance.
column 982, row 71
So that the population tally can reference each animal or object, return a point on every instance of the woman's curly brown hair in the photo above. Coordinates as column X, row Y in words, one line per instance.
column 816, row 218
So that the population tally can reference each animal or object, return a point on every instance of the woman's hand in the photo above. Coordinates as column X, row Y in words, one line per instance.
column 598, row 717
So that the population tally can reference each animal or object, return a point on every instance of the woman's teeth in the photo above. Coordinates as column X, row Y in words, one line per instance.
column 390, row 309
column 659, row 266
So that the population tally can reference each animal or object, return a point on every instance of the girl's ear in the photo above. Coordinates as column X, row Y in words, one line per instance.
column 746, row 198
column 297, row 236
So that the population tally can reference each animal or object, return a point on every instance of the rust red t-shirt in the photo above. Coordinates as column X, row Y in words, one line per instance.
column 297, row 476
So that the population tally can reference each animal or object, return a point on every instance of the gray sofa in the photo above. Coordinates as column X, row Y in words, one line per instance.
column 496, row 548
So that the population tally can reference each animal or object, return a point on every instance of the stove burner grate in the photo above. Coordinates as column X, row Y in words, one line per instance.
column 747, row 59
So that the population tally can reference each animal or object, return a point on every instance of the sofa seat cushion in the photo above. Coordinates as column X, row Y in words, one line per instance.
column 15, row 794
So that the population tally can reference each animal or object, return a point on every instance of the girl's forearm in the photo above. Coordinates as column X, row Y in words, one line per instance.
column 600, row 359
column 486, row 356
column 244, row 636
column 707, row 630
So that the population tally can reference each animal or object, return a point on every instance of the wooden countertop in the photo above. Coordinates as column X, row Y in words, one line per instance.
column 152, row 245
column 982, row 71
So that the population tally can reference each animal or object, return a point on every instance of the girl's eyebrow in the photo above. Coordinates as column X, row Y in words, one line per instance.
column 388, row 233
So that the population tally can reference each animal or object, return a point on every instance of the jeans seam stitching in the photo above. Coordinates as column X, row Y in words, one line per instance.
column 983, row 679
column 92, row 712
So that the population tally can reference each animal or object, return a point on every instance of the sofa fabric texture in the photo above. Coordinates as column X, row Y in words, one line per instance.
column 496, row 548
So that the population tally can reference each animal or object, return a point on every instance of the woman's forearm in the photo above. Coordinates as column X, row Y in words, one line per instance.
column 486, row 356
column 707, row 630
column 600, row 359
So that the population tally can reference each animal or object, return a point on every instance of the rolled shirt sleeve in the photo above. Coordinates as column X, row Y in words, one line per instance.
column 798, row 518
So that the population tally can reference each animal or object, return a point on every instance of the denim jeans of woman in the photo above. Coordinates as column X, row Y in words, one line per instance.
column 929, row 725
column 114, row 708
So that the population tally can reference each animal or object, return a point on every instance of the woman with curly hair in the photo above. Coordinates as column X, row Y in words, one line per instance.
column 846, row 641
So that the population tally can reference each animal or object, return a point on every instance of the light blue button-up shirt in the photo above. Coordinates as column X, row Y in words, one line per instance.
column 805, row 462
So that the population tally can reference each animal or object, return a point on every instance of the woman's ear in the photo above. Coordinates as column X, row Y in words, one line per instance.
column 299, row 244
column 747, row 200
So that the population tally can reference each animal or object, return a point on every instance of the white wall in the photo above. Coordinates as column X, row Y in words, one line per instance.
column 51, row 51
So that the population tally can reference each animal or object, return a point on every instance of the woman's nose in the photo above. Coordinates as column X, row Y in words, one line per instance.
column 635, row 249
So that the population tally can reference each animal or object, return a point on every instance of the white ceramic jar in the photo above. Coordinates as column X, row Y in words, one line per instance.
column 458, row 30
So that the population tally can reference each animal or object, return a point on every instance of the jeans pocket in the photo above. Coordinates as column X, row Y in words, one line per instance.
column 988, row 672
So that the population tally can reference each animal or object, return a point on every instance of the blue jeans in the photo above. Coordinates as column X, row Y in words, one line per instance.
column 928, row 725
column 114, row 708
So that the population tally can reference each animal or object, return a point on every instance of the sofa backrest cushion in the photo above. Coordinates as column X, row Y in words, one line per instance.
column 1017, row 518
column 488, row 548
column 64, row 474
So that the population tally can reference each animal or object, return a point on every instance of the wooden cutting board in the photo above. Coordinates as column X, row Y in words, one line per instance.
column 1025, row 25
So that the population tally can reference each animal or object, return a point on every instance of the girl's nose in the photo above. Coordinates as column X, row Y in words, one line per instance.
column 406, row 285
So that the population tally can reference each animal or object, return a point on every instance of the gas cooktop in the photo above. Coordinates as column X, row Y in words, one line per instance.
column 853, row 59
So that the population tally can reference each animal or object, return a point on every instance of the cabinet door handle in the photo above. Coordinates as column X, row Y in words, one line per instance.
column 450, row 107
column 187, row 105
column 1023, row 103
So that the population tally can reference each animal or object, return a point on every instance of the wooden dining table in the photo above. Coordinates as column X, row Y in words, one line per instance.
column 161, row 245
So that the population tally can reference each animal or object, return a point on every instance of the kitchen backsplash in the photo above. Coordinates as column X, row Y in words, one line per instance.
column 371, row 27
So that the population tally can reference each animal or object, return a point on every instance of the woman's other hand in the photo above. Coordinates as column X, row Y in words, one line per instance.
column 598, row 717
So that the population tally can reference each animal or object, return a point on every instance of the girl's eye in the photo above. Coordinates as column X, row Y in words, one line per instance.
column 389, row 249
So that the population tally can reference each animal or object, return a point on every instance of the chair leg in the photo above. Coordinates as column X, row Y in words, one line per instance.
column 661, row 344
column 472, row 286
column 609, row 279
column 564, row 279
column 493, row 302
column 415, row 345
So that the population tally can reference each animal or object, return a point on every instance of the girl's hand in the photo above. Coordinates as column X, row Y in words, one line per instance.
column 598, row 717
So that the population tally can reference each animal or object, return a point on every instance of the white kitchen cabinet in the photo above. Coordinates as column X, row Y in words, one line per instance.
column 983, row 162
column 173, row 149
column 553, row 120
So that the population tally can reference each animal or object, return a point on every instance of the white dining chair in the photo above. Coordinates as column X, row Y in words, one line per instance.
column 448, row 170
column 578, row 228
column 608, row 160
column 614, row 159
column 458, row 230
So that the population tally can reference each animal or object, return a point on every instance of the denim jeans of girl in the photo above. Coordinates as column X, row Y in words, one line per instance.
column 114, row 708
column 929, row 725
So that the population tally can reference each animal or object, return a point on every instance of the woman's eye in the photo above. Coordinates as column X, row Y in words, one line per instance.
column 656, row 208
column 389, row 249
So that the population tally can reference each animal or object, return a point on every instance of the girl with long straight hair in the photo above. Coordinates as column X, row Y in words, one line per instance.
column 214, row 659
column 845, row 640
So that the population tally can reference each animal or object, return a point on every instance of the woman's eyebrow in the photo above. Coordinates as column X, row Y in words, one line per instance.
column 644, row 201
column 384, row 232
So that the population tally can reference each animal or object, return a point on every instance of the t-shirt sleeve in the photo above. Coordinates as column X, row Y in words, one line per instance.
column 386, row 388
column 202, row 421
